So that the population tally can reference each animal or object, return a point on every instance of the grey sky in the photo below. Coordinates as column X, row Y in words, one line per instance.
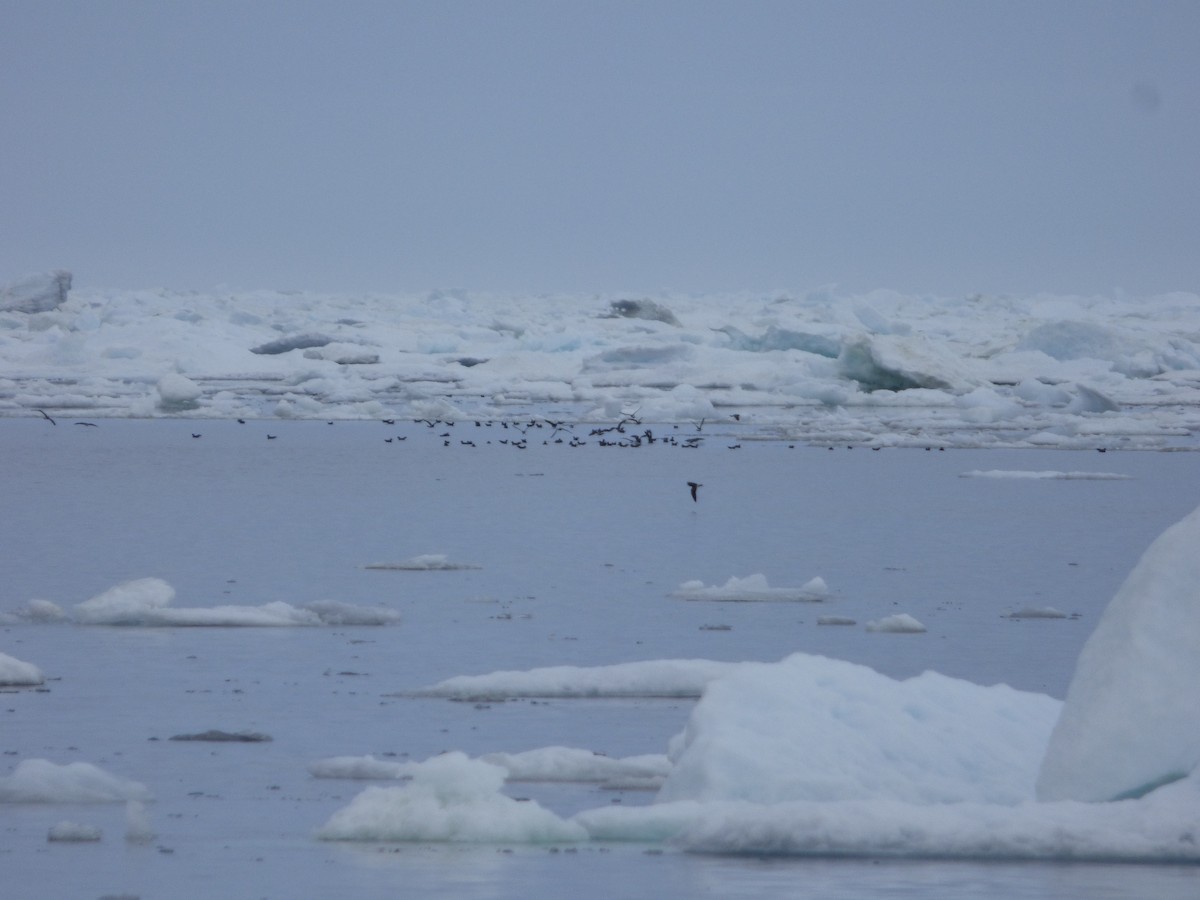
column 943, row 147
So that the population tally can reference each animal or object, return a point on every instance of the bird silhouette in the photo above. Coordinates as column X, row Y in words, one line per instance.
column 693, row 485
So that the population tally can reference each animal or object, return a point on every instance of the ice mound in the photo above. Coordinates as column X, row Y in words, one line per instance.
column 450, row 798
column 1131, row 722
column 36, row 293
column 15, row 673
column 41, row 781
column 177, row 393
column 146, row 602
column 811, row 728
column 651, row 678
column 752, row 588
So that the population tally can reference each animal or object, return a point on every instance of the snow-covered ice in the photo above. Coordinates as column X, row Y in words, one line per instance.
column 751, row 589
column 146, row 602
column 900, row 623
column 1130, row 722
column 1018, row 475
column 42, row 781
column 17, row 673
column 880, row 368
column 450, row 798
column 652, row 678
column 425, row 562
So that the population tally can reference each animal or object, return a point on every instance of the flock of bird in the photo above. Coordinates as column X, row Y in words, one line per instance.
column 561, row 432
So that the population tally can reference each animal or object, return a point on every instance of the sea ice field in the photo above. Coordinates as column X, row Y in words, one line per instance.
column 442, row 616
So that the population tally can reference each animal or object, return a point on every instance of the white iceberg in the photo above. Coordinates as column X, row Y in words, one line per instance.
column 1131, row 722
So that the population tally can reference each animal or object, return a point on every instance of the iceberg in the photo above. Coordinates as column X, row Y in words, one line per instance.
column 814, row 728
column 1131, row 722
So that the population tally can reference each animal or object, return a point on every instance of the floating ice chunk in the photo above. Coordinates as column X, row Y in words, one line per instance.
column 812, row 728
column 41, row 781
column 1037, row 612
column 651, row 678
column 426, row 562
column 360, row 767
column 1158, row 829
column 177, row 393
column 291, row 342
column 216, row 735
column 890, row 363
column 36, row 293
column 571, row 764
column 1044, row 475
column 782, row 339
column 146, row 602
column 74, row 832
column 450, row 798
column 137, row 823
column 641, row 309
column 836, row 620
column 752, row 588
column 15, row 673
column 127, row 603
column 901, row 623
column 1090, row 400
column 333, row 612
column 41, row 611
column 1131, row 721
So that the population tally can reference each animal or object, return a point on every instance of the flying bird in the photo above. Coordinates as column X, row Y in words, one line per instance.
column 45, row 416
column 693, row 485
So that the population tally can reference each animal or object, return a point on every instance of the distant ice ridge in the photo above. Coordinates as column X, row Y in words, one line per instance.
column 146, row 602
column 881, row 367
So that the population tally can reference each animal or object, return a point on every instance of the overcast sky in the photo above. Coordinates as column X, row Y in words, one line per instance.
column 941, row 147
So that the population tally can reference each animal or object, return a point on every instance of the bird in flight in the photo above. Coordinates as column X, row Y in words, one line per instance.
column 693, row 485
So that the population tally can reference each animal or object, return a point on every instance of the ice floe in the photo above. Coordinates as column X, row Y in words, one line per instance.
column 16, row 673
column 449, row 798
column 1043, row 475
column 146, row 602
column 751, row 589
column 651, row 678
column 41, row 781
column 426, row 562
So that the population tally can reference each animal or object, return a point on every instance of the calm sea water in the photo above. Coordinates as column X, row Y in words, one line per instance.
column 577, row 551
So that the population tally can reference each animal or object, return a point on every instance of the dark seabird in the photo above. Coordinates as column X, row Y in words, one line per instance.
column 693, row 485
column 46, row 417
